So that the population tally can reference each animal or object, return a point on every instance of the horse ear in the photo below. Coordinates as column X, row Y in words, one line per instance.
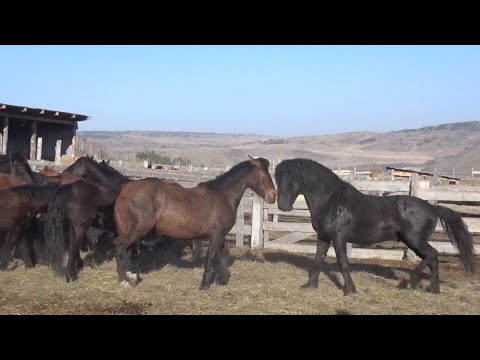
column 254, row 160
column 108, row 162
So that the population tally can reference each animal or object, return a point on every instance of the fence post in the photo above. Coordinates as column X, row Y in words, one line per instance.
column 58, row 152
column 257, row 222
column 39, row 148
column 414, row 185
column 239, row 231
column 266, row 237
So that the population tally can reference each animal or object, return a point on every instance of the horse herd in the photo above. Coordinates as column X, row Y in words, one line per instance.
column 60, row 209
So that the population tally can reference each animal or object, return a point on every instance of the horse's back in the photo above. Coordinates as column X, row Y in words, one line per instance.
column 8, row 181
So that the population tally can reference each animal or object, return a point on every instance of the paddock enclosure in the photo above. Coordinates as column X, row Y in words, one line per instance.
column 270, row 254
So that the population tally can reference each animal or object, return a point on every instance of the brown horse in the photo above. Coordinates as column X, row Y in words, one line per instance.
column 9, row 181
column 207, row 211
column 47, row 171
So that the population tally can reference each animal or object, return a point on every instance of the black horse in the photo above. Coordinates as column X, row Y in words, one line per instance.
column 340, row 214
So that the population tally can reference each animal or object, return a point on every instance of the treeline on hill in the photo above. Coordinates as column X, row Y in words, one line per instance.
column 163, row 159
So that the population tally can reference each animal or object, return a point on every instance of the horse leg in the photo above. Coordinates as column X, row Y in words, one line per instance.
column 73, row 238
column 222, row 274
column 196, row 251
column 124, row 264
column 429, row 256
column 417, row 240
column 9, row 245
column 216, row 242
column 77, row 236
column 322, row 249
column 340, row 246
column 26, row 247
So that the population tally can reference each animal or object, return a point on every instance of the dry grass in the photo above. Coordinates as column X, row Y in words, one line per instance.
column 262, row 282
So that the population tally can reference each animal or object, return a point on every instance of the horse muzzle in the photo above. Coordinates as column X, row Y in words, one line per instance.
column 271, row 196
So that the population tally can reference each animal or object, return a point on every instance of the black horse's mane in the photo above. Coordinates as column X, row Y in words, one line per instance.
column 233, row 175
column 305, row 171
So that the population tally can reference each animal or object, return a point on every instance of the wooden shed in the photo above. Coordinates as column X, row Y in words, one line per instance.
column 38, row 133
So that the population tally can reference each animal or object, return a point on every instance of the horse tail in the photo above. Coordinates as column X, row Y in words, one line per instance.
column 458, row 234
column 55, row 245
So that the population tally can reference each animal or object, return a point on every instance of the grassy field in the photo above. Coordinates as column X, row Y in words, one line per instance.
column 262, row 282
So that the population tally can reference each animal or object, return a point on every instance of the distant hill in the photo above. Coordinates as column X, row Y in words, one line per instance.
column 446, row 145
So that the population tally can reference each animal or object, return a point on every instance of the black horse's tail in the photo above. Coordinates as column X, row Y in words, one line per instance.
column 458, row 234
column 55, row 245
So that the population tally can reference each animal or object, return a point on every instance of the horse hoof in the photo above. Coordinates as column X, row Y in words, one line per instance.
column 71, row 278
column 132, row 278
column 349, row 291
column 125, row 284
column 204, row 287
column 309, row 286
column 434, row 290
column 403, row 284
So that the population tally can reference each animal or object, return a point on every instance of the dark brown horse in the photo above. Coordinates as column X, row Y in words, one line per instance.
column 73, row 210
column 9, row 181
column 18, row 207
column 17, row 165
column 207, row 211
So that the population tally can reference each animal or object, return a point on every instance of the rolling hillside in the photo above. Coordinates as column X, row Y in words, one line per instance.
column 446, row 145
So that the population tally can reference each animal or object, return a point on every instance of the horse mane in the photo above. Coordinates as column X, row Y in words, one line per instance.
column 305, row 171
column 113, row 171
column 233, row 176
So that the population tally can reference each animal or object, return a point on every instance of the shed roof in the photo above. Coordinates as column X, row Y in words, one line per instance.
column 41, row 113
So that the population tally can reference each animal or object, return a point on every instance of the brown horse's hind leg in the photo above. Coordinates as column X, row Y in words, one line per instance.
column 126, row 275
column 75, row 262
column 125, row 244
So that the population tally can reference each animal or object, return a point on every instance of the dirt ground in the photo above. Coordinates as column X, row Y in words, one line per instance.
column 262, row 282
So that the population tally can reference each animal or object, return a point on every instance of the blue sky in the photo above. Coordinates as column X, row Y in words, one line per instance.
column 270, row 90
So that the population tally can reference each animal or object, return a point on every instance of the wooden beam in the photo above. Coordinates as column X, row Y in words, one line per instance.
column 58, row 152
column 39, row 148
column 39, row 118
column 257, row 222
column 283, row 226
column 33, row 141
column 303, row 213
column 444, row 247
column 356, row 253
column 414, row 185
column 240, row 223
column 247, row 230
column 291, row 238
column 5, row 135
column 473, row 225
column 446, row 195
column 463, row 209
